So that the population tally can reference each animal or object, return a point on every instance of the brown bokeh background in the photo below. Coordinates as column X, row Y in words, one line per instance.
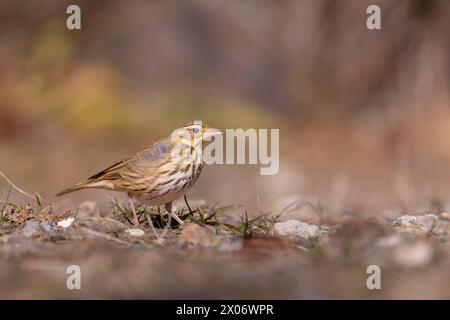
column 363, row 115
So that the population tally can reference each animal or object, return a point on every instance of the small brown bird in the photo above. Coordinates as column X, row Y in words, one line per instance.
column 159, row 174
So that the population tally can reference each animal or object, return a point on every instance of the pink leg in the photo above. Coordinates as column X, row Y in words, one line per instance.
column 168, row 207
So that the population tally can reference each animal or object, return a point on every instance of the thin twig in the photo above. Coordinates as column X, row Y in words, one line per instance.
column 20, row 190
column 167, row 227
column 117, row 204
column 286, row 208
column 122, row 225
column 104, row 236
column 210, row 210
column 150, row 222
column 7, row 200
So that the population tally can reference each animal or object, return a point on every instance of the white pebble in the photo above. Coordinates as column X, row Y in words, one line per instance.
column 66, row 222
column 135, row 232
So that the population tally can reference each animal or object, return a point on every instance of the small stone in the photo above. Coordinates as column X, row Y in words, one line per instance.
column 422, row 225
column 230, row 244
column 47, row 228
column 380, row 251
column 112, row 225
column 135, row 232
column 298, row 229
column 402, row 250
column 66, row 222
column 195, row 235
column 88, row 210
column 416, row 224
column 388, row 241
column 33, row 229
column 29, row 229
column 416, row 254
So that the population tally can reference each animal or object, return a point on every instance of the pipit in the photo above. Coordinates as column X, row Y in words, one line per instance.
column 159, row 174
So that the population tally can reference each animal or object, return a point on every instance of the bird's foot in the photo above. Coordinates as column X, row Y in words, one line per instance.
column 177, row 219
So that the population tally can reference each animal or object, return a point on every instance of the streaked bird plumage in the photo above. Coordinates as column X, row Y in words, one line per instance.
column 152, row 174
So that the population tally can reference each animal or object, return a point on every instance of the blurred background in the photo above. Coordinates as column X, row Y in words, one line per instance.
column 364, row 115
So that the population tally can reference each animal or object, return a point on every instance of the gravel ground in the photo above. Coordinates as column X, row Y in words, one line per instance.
column 291, row 260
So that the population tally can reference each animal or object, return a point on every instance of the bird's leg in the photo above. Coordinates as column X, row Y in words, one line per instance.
column 133, row 210
column 168, row 207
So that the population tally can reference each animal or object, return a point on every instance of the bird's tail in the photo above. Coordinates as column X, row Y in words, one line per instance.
column 91, row 183
column 76, row 187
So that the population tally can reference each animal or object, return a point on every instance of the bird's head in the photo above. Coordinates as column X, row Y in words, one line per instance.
column 194, row 134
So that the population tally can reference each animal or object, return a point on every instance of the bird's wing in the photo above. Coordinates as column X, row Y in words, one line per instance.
column 114, row 168
column 156, row 153
column 132, row 172
column 146, row 159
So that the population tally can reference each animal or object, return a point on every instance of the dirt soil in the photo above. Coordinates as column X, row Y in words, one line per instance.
column 213, row 261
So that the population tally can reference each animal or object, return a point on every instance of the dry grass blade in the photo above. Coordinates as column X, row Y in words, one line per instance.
column 104, row 236
column 167, row 227
column 218, row 211
column 35, row 197
column 117, row 204
column 149, row 219
column 5, row 204
column 295, row 205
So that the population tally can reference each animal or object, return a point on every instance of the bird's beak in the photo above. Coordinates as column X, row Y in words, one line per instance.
column 211, row 132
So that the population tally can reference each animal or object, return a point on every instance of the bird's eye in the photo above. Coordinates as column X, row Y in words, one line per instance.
column 195, row 130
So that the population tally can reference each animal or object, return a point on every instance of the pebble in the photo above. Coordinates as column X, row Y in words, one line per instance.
column 298, row 229
column 421, row 225
column 66, row 222
column 135, row 232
